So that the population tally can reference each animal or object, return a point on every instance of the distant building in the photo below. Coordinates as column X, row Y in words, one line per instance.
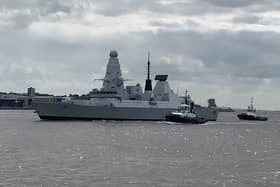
column 26, row 100
column 11, row 100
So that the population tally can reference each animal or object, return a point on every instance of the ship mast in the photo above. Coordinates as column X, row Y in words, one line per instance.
column 149, row 63
column 148, row 85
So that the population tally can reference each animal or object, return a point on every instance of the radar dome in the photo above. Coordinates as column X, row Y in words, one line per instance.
column 113, row 53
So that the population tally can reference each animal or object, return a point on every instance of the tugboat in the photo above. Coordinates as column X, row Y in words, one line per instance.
column 185, row 115
column 251, row 114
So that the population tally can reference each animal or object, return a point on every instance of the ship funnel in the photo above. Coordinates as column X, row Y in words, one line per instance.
column 148, row 85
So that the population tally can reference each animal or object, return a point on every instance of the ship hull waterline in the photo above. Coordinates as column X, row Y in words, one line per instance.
column 244, row 116
column 66, row 111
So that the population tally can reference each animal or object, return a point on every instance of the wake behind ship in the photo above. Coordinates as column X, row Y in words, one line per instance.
column 114, row 101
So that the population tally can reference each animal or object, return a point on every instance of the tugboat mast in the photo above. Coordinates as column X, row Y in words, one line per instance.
column 251, row 107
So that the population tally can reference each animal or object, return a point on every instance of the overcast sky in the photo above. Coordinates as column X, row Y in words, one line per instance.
column 226, row 49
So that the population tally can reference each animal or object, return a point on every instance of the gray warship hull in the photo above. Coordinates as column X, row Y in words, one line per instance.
column 67, row 111
column 114, row 101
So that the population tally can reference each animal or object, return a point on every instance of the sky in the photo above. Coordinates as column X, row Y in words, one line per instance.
column 222, row 49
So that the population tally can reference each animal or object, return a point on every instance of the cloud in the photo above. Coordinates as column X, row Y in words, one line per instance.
column 215, row 48
column 250, row 19
column 234, row 4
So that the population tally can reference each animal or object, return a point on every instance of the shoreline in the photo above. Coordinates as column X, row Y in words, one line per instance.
column 16, row 108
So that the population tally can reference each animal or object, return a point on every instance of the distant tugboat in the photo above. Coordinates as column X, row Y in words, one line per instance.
column 186, row 114
column 251, row 114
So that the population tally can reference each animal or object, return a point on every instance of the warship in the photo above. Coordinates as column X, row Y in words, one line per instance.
column 114, row 101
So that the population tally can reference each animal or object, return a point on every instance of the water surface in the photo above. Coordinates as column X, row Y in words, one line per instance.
column 228, row 152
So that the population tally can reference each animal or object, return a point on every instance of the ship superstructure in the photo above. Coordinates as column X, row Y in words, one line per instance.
column 115, row 101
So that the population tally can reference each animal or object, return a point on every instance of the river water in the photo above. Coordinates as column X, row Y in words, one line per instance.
column 225, row 153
